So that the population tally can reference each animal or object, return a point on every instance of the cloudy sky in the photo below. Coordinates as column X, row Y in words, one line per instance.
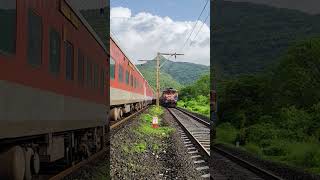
column 144, row 28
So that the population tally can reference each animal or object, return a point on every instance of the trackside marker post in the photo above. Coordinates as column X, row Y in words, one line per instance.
column 155, row 122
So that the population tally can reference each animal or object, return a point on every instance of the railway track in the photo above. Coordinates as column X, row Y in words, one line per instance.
column 195, row 133
column 197, row 130
column 261, row 173
column 113, row 126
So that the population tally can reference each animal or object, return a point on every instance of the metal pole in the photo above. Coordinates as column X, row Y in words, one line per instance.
column 158, row 81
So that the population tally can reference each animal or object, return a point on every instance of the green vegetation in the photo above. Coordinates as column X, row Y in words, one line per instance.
column 195, row 97
column 250, row 37
column 276, row 114
column 146, row 128
column 166, row 80
column 173, row 74
column 140, row 147
column 146, row 131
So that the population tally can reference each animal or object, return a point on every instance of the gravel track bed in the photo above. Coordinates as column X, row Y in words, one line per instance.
column 196, row 114
column 223, row 168
column 169, row 162
column 98, row 169
column 279, row 169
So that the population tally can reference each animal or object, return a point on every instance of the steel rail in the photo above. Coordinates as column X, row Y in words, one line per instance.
column 194, row 117
column 243, row 163
column 75, row 167
column 193, row 138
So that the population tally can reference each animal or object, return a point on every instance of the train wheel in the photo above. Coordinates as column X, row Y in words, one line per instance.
column 120, row 112
column 114, row 114
column 35, row 163
column 12, row 164
column 28, row 153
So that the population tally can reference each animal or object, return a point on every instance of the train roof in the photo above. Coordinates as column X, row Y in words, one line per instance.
column 87, row 25
column 169, row 89
column 113, row 38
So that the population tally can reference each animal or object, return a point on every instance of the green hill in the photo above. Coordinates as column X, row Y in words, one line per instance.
column 165, row 79
column 248, row 38
column 182, row 72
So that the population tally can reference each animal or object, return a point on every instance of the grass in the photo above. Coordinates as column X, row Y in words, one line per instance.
column 146, row 132
column 305, row 155
column 145, row 127
column 139, row 147
column 226, row 133
column 198, row 105
column 160, row 132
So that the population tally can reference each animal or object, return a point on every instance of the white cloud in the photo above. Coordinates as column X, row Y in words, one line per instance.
column 142, row 35
column 120, row 12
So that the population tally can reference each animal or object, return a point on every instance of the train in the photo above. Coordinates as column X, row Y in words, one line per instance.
column 169, row 97
column 129, row 90
column 54, row 96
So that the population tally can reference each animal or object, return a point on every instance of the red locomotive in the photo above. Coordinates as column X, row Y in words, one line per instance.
column 129, row 90
column 53, row 91
column 169, row 97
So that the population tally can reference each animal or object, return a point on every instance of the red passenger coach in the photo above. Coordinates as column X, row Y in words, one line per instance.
column 129, row 90
column 53, row 95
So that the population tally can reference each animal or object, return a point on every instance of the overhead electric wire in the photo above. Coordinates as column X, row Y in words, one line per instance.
column 168, row 59
column 195, row 25
column 200, row 27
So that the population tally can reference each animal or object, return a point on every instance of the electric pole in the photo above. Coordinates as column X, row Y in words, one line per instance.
column 158, row 78
column 158, row 71
column 158, row 66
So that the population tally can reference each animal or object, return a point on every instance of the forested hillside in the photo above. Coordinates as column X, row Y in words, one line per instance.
column 195, row 96
column 182, row 72
column 249, row 37
column 276, row 114
column 165, row 79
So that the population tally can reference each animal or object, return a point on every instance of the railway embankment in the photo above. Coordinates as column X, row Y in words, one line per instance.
column 139, row 151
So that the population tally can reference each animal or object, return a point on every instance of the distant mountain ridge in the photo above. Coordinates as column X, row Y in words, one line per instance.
column 251, row 37
column 182, row 72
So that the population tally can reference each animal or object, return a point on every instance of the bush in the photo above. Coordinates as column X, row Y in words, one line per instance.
column 263, row 131
column 200, row 105
column 304, row 154
column 226, row 133
column 253, row 149
column 156, row 111
column 296, row 123
column 147, row 118
column 274, row 150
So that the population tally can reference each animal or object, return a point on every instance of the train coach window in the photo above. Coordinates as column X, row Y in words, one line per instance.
column 54, row 52
column 120, row 74
column 34, row 38
column 88, row 73
column 80, row 68
column 8, row 26
column 102, row 80
column 131, row 80
column 95, row 76
column 127, row 77
column 69, row 60
column 112, row 68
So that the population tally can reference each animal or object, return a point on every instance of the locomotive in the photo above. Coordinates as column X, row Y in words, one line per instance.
column 54, row 95
column 169, row 97
column 129, row 90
